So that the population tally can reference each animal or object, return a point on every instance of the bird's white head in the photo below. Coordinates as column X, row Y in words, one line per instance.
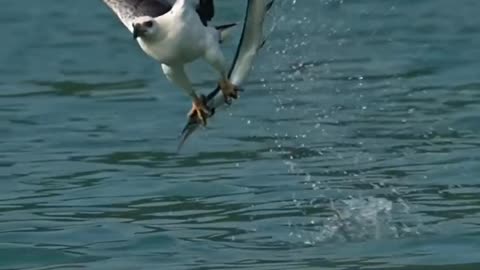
column 144, row 27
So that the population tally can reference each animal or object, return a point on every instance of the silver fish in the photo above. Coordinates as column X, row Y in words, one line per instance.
column 251, row 41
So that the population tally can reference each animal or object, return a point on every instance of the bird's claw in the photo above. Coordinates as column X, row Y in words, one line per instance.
column 200, row 110
column 229, row 91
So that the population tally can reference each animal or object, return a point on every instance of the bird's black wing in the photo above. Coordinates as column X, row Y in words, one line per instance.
column 127, row 10
column 206, row 10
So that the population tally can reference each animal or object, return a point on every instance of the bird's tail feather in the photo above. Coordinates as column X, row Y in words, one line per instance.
column 224, row 31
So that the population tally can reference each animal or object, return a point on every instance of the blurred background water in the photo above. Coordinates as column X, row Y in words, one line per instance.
column 355, row 145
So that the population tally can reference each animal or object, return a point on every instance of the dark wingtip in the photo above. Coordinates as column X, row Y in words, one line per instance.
column 225, row 26
column 270, row 4
column 262, row 44
column 206, row 11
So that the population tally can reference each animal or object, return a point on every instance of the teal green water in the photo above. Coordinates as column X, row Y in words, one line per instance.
column 355, row 145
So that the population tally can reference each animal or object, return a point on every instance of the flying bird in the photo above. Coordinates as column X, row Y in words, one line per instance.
column 175, row 35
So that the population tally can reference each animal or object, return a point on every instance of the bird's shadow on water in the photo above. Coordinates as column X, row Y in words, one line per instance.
column 157, row 159
column 78, row 88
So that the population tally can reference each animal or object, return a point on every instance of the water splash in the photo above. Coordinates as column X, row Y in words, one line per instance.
column 358, row 219
column 353, row 220
column 345, row 218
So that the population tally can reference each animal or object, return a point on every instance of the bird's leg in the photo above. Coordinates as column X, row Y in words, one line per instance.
column 214, row 57
column 177, row 75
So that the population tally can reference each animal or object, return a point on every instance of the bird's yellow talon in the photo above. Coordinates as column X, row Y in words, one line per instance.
column 229, row 90
column 199, row 110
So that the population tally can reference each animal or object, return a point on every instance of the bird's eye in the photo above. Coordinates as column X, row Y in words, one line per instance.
column 149, row 24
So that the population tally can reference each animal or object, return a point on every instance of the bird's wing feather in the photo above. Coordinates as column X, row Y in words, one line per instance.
column 127, row 10
column 206, row 10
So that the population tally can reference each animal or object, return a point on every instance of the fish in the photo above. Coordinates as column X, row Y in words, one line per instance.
column 252, row 39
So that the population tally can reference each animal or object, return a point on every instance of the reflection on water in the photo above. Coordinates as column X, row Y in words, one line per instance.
column 353, row 146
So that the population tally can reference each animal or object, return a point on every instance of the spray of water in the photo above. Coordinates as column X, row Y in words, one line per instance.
column 350, row 216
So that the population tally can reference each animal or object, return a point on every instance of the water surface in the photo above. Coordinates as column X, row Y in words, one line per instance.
column 355, row 145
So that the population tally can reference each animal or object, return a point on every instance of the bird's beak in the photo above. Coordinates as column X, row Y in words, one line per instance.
column 137, row 31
